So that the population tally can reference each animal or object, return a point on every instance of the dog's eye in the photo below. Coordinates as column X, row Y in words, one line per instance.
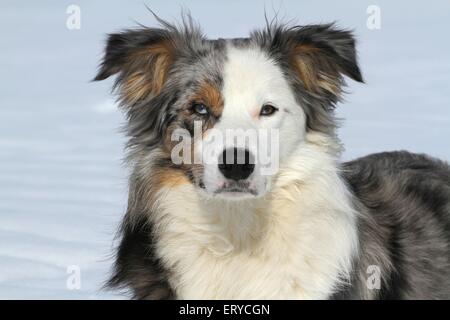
column 199, row 108
column 267, row 110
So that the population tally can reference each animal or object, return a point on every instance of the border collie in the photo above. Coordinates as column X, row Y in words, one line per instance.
column 374, row 228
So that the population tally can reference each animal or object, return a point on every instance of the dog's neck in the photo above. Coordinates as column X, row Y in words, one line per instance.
column 307, row 220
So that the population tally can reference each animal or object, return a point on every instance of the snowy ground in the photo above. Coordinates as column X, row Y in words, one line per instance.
column 62, row 185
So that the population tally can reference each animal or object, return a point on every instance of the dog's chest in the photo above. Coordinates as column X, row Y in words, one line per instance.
column 275, row 257
column 241, row 276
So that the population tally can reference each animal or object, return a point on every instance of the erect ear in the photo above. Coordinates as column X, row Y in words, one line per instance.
column 141, row 58
column 320, row 55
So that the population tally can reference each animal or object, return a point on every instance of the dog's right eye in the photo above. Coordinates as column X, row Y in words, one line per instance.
column 267, row 110
column 200, row 108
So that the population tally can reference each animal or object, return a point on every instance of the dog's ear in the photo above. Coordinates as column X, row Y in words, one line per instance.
column 141, row 58
column 319, row 55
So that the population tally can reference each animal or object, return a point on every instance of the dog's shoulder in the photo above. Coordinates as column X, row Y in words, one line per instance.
column 397, row 162
column 390, row 177
column 405, row 200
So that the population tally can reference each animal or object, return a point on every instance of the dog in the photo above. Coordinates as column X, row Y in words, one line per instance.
column 374, row 228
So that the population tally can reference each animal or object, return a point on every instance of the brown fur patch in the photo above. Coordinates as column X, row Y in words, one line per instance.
column 210, row 95
column 314, row 69
column 159, row 178
column 147, row 71
column 166, row 177
column 146, row 188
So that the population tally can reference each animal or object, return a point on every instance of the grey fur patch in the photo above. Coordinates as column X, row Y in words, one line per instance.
column 404, row 225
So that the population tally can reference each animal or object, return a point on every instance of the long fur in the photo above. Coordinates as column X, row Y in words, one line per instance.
column 322, row 224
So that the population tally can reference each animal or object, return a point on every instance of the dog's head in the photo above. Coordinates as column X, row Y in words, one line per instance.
column 200, row 111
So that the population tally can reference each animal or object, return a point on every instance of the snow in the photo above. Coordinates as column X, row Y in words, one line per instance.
column 62, row 182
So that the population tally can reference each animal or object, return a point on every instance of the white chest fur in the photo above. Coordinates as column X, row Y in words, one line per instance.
column 297, row 243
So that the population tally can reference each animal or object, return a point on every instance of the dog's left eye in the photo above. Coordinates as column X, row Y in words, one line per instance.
column 200, row 108
column 267, row 110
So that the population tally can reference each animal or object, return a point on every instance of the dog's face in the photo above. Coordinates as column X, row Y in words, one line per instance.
column 224, row 114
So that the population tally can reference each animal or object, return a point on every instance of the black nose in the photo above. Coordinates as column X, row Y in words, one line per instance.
column 236, row 164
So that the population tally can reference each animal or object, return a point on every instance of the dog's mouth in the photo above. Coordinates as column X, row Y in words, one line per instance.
column 231, row 190
column 236, row 190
